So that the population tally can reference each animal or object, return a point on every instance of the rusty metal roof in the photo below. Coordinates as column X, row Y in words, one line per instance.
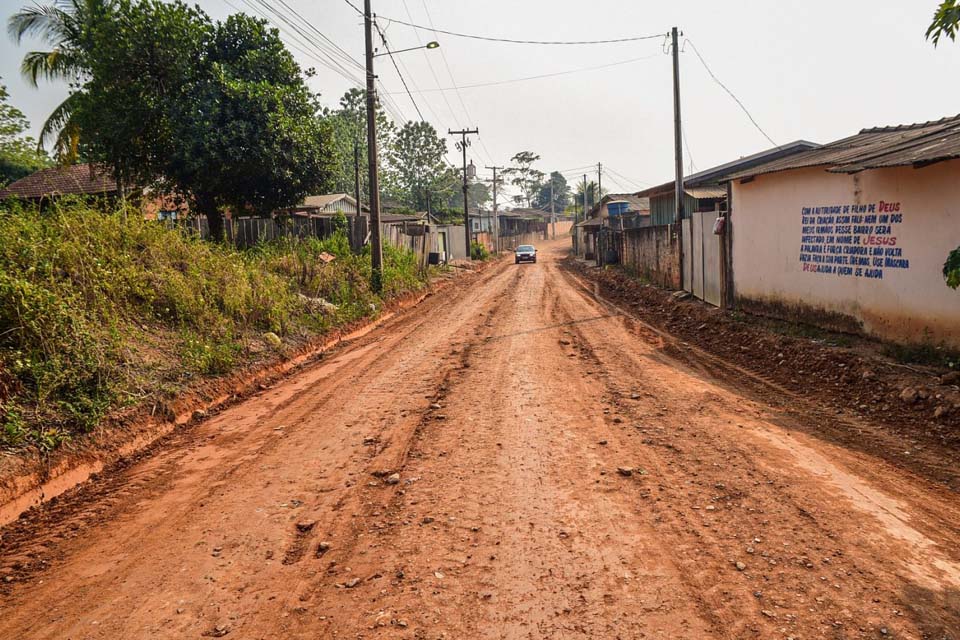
column 78, row 179
column 897, row 146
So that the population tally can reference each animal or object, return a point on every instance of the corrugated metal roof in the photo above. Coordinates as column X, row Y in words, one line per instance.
column 637, row 204
column 706, row 192
column 902, row 145
column 714, row 175
column 326, row 199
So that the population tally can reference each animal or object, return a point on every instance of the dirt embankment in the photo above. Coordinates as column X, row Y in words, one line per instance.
column 915, row 409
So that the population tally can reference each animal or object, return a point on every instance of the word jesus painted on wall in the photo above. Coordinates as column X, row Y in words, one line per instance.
column 856, row 240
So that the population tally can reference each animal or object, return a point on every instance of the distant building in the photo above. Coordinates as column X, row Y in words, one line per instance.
column 90, row 181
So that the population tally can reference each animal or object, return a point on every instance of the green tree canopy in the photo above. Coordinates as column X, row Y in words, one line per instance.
column 561, row 193
column 945, row 22
column 68, row 26
column 416, row 161
column 523, row 176
column 348, row 125
column 18, row 152
column 216, row 111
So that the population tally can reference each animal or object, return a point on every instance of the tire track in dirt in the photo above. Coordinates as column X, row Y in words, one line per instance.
column 814, row 556
column 498, row 536
column 204, row 467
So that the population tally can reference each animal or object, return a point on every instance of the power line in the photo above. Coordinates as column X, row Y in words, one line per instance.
column 433, row 72
column 545, row 75
column 513, row 41
column 336, row 56
column 383, row 38
column 337, row 48
column 637, row 183
column 446, row 63
column 693, row 165
column 735, row 98
column 293, row 40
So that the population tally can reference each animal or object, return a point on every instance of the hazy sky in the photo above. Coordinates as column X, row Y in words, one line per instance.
column 816, row 70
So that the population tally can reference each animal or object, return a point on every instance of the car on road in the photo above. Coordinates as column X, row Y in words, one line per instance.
column 526, row 253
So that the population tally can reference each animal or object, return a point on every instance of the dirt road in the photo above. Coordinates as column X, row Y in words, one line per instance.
column 559, row 476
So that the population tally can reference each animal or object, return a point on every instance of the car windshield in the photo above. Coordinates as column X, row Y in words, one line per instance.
column 525, row 247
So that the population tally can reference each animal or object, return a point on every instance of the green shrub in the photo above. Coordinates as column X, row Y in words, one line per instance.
column 101, row 309
column 478, row 251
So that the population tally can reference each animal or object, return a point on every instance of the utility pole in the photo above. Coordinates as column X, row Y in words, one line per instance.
column 599, row 182
column 496, row 218
column 677, row 148
column 553, row 215
column 585, row 209
column 463, row 144
column 356, row 192
column 376, row 253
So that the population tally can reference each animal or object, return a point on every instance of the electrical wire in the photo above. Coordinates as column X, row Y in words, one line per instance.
column 724, row 87
column 383, row 39
column 513, row 41
column 443, row 56
column 426, row 56
column 545, row 75
column 683, row 134
column 298, row 43
column 636, row 183
column 337, row 58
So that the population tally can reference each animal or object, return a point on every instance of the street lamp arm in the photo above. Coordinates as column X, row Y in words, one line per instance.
column 430, row 45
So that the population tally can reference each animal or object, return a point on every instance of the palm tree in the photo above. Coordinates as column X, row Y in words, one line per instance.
column 66, row 26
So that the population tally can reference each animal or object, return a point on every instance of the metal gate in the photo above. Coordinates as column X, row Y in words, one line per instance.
column 701, row 257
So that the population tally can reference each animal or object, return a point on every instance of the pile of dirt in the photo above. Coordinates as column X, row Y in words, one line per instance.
column 845, row 375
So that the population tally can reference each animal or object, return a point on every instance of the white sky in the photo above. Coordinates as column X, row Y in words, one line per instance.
column 817, row 70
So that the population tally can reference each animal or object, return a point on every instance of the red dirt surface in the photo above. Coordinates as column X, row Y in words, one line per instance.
column 511, row 459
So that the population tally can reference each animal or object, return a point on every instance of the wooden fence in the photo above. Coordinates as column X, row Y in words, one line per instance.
column 246, row 232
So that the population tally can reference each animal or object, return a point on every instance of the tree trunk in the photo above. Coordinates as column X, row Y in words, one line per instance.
column 207, row 206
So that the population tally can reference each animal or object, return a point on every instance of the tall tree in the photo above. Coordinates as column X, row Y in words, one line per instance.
column 561, row 193
column 593, row 194
column 67, row 26
column 524, row 176
column 348, row 125
column 216, row 111
column 18, row 152
column 416, row 160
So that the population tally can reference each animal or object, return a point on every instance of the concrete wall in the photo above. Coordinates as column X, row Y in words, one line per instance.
column 858, row 252
column 653, row 253
column 509, row 243
column 456, row 241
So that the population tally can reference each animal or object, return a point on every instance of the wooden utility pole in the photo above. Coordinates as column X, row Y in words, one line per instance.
column 585, row 212
column 553, row 215
column 463, row 144
column 677, row 149
column 599, row 182
column 496, row 218
column 376, row 253
column 356, row 194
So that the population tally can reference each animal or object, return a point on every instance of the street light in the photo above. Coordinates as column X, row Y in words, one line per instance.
column 376, row 249
column 433, row 44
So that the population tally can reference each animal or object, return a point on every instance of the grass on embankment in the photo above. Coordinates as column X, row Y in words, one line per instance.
column 100, row 311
